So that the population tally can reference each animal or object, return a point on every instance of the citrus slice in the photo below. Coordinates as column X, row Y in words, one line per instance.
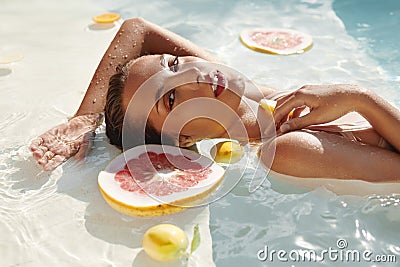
column 107, row 18
column 276, row 41
column 152, row 180
column 228, row 152
column 11, row 56
column 269, row 105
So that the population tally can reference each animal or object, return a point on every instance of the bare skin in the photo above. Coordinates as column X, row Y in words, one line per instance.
column 299, row 153
column 135, row 38
column 320, row 154
column 61, row 142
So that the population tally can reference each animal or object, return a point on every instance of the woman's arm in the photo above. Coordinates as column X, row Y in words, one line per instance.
column 330, row 102
column 384, row 117
column 135, row 38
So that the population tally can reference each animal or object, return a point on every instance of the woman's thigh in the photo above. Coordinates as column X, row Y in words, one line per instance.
column 311, row 154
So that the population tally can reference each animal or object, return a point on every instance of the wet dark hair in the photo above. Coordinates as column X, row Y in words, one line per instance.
column 114, row 113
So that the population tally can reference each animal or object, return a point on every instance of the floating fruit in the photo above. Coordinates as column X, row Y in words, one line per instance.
column 106, row 18
column 152, row 180
column 165, row 242
column 10, row 56
column 269, row 105
column 228, row 152
column 276, row 41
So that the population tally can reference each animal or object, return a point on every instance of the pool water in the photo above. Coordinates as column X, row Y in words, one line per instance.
column 374, row 25
column 354, row 42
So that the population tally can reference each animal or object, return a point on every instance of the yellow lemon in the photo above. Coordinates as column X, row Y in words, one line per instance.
column 107, row 18
column 165, row 242
column 269, row 105
column 228, row 152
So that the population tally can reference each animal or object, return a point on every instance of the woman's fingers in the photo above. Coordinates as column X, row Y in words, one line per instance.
column 53, row 163
column 298, row 123
column 283, row 109
column 38, row 152
column 37, row 149
column 50, row 161
column 297, row 112
column 46, row 157
column 282, row 99
column 65, row 140
column 36, row 142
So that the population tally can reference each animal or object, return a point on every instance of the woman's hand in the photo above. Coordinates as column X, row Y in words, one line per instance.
column 65, row 140
column 326, row 103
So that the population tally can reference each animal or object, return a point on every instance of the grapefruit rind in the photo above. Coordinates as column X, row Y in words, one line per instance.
column 306, row 44
column 136, row 204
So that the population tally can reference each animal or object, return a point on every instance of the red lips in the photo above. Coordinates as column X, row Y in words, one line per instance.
column 220, row 80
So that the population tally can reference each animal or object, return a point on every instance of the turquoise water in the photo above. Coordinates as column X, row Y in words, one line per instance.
column 45, row 217
column 375, row 24
column 354, row 42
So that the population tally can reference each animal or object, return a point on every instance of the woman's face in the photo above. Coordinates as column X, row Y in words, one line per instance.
column 191, row 97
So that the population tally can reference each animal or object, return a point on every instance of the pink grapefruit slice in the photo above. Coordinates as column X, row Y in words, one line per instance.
column 276, row 41
column 152, row 180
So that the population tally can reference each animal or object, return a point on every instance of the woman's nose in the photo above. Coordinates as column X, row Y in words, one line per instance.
column 189, row 75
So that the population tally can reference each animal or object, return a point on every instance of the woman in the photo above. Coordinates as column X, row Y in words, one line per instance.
column 144, row 49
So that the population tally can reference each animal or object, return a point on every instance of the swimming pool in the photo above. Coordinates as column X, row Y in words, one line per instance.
column 354, row 42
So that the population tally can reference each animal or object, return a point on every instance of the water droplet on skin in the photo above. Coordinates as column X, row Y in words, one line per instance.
column 118, row 41
column 122, row 30
column 111, row 63
column 94, row 100
column 126, row 56
column 175, row 48
column 115, row 47
column 97, row 82
column 109, row 55
column 120, row 33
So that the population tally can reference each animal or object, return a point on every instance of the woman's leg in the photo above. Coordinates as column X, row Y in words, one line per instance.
column 319, row 154
column 371, row 137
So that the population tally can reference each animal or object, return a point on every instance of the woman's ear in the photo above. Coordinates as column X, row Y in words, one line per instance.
column 186, row 141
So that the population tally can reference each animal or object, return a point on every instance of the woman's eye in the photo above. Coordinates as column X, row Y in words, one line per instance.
column 171, row 99
column 174, row 64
